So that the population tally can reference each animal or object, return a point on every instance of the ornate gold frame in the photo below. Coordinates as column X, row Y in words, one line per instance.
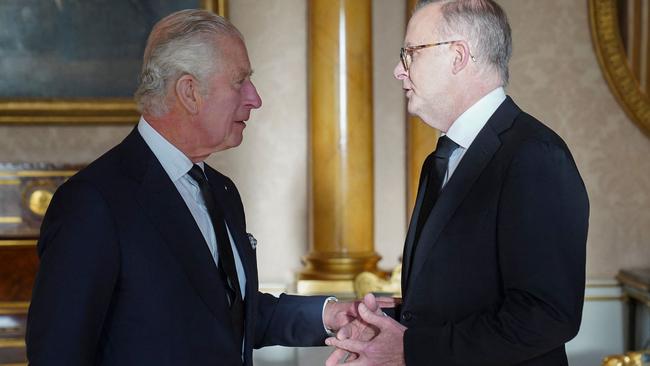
column 613, row 61
column 73, row 111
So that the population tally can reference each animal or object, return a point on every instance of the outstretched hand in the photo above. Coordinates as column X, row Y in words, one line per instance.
column 371, row 339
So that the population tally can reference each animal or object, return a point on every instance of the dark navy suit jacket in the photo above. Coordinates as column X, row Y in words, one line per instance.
column 497, row 277
column 126, row 277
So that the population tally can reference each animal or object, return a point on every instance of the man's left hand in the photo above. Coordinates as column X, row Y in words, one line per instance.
column 339, row 314
column 387, row 348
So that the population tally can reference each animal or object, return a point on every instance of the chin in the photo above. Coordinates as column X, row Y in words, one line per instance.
column 235, row 141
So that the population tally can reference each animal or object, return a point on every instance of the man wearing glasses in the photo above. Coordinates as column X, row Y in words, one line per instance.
column 494, row 259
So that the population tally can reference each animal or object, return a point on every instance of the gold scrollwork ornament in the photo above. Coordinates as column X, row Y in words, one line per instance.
column 606, row 37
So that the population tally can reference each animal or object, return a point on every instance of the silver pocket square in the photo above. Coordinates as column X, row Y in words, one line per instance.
column 252, row 240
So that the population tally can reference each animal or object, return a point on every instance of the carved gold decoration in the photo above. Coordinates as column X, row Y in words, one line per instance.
column 612, row 57
column 367, row 282
column 74, row 111
column 637, row 358
column 39, row 200
column 23, row 202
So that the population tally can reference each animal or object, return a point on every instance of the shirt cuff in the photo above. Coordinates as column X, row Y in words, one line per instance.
column 330, row 332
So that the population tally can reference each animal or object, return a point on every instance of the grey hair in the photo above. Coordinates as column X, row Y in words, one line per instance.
column 184, row 42
column 486, row 27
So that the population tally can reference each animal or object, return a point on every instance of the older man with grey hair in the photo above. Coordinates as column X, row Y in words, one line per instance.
column 493, row 268
column 145, row 258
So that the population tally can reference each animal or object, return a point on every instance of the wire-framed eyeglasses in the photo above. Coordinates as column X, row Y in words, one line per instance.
column 406, row 53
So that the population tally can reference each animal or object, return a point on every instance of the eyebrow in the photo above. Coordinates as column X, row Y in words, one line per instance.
column 245, row 73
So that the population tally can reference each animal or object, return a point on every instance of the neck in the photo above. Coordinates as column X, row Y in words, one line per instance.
column 469, row 96
column 170, row 126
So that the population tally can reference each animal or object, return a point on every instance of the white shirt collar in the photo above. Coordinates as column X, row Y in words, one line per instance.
column 465, row 129
column 175, row 163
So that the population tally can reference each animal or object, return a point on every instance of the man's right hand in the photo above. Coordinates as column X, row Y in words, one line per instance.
column 360, row 330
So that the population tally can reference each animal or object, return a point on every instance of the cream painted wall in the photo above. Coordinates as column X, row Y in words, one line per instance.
column 389, row 132
column 270, row 167
column 555, row 76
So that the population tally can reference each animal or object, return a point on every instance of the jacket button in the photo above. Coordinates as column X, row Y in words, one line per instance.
column 407, row 316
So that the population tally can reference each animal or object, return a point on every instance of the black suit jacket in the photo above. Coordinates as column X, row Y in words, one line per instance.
column 497, row 277
column 126, row 277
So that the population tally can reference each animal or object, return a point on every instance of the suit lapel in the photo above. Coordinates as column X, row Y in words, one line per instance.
column 165, row 207
column 475, row 160
column 407, row 255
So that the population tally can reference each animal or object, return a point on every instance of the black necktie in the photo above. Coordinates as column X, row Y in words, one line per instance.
column 226, row 263
column 435, row 166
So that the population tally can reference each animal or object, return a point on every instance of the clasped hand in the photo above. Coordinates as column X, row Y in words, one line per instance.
column 367, row 336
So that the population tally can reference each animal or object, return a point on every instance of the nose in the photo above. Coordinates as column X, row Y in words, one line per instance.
column 398, row 72
column 252, row 99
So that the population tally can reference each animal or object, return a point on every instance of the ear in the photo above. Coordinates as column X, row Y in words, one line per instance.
column 187, row 93
column 462, row 56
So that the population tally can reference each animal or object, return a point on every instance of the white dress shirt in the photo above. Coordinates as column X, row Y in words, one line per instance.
column 465, row 129
column 176, row 165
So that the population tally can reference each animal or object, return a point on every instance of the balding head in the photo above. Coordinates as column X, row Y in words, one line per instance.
column 485, row 26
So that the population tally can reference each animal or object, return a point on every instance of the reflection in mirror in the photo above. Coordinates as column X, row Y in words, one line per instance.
column 634, row 27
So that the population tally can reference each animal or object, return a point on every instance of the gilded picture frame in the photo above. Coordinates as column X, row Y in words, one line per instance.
column 608, row 45
column 25, row 108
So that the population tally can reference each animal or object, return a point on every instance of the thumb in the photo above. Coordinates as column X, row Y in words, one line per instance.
column 371, row 317
column 343, row 333
column 371, row 302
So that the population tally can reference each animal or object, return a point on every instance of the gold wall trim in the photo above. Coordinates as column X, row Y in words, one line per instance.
column 14, row 305
column 10, row 182
column 14, row 308
column 11, row 343
column 343, row 289
column 602, row 285
column 18, row 243
column 38, row 173
column 11, row 219
column 605, row 298
column 114, row 110
column 611, row 55
column 216, row 6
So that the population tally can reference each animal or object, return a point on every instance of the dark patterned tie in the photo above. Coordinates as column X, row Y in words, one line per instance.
column 435, row 166
column 226, row 263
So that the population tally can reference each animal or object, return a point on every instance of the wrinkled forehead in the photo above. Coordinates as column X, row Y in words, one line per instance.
column 423, row 25
column 234, row 55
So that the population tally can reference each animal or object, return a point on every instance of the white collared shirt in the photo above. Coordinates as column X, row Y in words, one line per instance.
column 176, row 165
column 467, row 126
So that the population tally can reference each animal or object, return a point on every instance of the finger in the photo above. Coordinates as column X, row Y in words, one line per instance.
column 369, row 317
column 336, row 357
column 388, row 302
column 346, row 344
column 357, row 362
